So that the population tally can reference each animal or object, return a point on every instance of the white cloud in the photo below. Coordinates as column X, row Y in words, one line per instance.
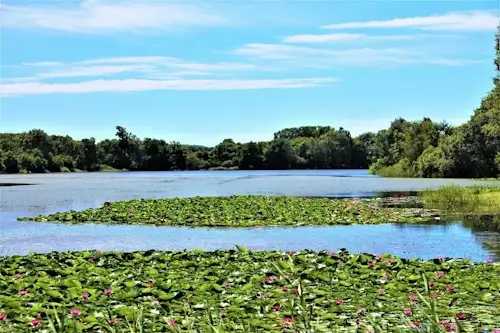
column 144, row 67
column 341, row 37
column 143, row 73
column 93, row 71
column 128, row 85
column 98, row 16
column 465, row 21
column 310, row 57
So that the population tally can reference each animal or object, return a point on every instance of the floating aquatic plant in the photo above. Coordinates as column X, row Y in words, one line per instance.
column 236, row 211
column 238, row 291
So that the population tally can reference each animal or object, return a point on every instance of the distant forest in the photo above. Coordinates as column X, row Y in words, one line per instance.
column 406, row 149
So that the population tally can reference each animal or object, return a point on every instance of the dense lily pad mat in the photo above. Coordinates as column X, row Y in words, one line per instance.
column 267, row 291
column 235, row 211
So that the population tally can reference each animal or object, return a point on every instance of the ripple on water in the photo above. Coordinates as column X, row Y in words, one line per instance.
column 63, row 192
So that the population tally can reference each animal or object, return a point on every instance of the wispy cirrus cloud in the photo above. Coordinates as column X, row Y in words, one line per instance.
column 340, row 49
column 129, row 85
column 361, row 38
column 342, row 37
column 145, row 73
column 100, row 16
column 315, row 57
column 143, row 67
column 476, row 20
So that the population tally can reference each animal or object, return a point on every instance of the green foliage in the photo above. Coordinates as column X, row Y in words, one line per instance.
column 294, row 148
column 436, row 150
column 236, row 211
column 244, row 291
column 463, row 200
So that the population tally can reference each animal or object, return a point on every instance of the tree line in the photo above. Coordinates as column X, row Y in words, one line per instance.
column 309, row 147
column 406, row 149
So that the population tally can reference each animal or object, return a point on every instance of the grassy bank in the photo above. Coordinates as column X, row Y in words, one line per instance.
column 463, row 200
column 238, row 291
column 235, row 211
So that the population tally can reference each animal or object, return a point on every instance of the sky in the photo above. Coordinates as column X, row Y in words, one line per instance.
column 200, row 71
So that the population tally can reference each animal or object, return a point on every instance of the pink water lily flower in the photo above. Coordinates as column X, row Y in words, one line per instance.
column 488, row 260
column 381, row 292
column 415, row 324
column 85, row 295
column 461, row 316
column 407, row 312
column 450, row 327
column 171, row 322
column 23, row 292
column 371, row 264
column 75, row 312
column 227, row 284
column 3, row 317
column 361, row 310
column 149, row 283
column 35, row 322
column 339, row 301
column 18, row 275
column 439, row 275
column 450, row 288
column 496, row 330
column 155, row 303
column 431, row 284
column 108, row 292
column 413, row 298
column 112, row 321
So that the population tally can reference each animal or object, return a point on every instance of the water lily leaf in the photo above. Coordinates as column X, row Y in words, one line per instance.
column 242, row 249
column 54, row 293
column 13, row 305
column 130, row 284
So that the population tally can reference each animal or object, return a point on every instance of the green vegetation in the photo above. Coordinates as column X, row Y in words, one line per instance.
column 424, row 149
column 309, row 147
column 236, row 211
column 244, row 291
column 463, row 200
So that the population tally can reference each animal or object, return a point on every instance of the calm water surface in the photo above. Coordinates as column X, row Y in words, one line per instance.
column 49, row 193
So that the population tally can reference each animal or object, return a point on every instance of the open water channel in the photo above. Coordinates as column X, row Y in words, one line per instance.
column 49, row 193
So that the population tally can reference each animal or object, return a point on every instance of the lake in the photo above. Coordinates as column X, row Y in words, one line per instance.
column 49, row 193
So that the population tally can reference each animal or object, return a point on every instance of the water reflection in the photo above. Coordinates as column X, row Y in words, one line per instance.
column 486, row 229
column 424, row 241
column 482, row 222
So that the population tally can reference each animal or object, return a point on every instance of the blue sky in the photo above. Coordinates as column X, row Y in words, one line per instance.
column 201, row 71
